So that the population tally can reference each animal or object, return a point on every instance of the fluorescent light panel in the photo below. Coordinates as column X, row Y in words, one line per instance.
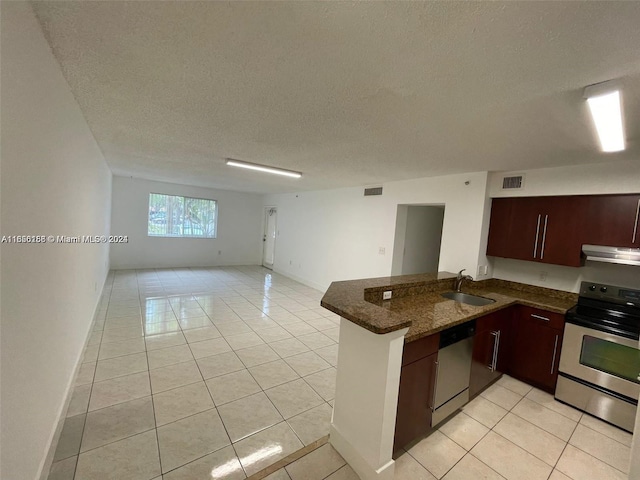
column 264, row 168
column 606, row 111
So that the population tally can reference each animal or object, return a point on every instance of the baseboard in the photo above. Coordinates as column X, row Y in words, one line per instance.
column 222, row 264
column 45, row 466
column 298, row 279
column 357, row 461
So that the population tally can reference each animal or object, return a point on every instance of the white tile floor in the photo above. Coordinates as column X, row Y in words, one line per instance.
column 514, row 431
column 194, row 373
column 511, row 431
column 218, row 373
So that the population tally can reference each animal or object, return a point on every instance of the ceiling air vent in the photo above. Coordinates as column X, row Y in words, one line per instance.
column 510, row 183
column 372, row 191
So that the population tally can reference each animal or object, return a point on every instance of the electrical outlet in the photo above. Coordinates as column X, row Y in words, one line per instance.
column 482, row 269
column 381, row 250
column 386, row 295
column 543, row 276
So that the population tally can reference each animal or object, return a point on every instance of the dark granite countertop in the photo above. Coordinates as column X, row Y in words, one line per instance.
column 416, row 302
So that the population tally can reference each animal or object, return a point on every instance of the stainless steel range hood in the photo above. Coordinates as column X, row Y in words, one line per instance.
column 620, row 255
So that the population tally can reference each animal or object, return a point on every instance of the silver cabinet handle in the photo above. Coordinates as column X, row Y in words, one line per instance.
column 494, row 356
column 635, row 226
column 535, row 246
column 544, row 236
column 540, row 317
column 435, row 386
column 555, row 348
column 497, row 349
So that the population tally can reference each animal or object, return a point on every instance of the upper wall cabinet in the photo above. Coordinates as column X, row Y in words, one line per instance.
column 538, row 229
column 613, row 220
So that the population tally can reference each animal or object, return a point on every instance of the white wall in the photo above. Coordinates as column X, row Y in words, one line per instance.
column 422, row 240
column 611, row 177
column 239, row 238
column 331, row 235
column 54, row 182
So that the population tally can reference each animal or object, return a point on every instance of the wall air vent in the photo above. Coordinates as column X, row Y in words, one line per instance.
column 372, row 191
column 510, row 183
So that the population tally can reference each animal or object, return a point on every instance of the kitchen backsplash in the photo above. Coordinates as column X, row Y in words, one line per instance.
column 565, row 278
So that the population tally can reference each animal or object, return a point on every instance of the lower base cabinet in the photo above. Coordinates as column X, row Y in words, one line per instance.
column 536, row 339
column 415, row 400
column 415, row 396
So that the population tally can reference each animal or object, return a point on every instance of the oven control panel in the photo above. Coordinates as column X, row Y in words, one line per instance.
column 610, row 293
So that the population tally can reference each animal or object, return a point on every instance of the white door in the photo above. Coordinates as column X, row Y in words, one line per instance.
column 269, row 239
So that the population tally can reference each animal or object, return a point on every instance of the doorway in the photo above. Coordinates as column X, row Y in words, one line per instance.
column 416, row 248
column 269, row 237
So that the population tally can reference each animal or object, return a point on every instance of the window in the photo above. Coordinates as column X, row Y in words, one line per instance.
column 174, row 216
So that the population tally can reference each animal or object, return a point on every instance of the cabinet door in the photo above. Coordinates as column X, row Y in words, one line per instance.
column 525, row 232
column 561, row 230
column 415, row 399
column 535, row 352
column 483, row 370
column 515, row 228
column 613, row 220
column 499, row 225
column 489, row 350
column 538, row 229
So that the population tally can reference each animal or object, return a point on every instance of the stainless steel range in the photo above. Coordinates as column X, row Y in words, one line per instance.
column 600, row 360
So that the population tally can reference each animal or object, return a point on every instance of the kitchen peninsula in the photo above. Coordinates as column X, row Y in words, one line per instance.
column 380, row 337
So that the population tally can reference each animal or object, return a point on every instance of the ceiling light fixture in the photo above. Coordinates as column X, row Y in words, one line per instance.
column 263, row 168
column 606, row 110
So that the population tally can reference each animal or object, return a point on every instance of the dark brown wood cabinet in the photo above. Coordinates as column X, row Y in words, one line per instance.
column 537, row 229
column 415, row 395
column 500, row 222
column 535, row 341
column 613, row 220
column 523, row 234
column 490, row 350
column 562, row 223
column 553, row 229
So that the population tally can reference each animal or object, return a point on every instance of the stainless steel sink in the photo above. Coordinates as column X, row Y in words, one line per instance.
column 468, row 299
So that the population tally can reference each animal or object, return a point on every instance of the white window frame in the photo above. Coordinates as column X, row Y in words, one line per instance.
column 184, row 199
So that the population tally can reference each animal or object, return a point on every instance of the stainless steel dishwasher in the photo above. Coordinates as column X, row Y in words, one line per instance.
column 453, row 370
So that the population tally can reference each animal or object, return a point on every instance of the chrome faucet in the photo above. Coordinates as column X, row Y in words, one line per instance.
column 457, row 285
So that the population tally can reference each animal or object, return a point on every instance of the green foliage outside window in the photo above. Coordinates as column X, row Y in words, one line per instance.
column 175, row 216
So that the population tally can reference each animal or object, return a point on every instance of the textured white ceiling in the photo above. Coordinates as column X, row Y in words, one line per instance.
column 347, row 93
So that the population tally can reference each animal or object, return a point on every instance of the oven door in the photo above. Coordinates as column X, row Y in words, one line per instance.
column 608, row 361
